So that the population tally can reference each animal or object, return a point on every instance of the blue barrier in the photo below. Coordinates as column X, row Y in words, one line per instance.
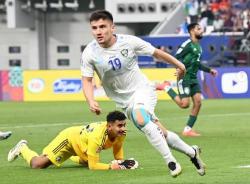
column 213, row 46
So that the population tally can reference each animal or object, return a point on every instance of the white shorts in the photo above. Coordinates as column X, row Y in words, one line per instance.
column 146, row 97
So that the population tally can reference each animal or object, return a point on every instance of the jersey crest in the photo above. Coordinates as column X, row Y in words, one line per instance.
column 124, row 52
column 58, row 159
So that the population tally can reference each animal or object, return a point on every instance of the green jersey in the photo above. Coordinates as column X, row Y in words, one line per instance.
column 189, row 54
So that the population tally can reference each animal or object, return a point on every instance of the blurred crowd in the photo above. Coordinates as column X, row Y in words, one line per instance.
column 218, row 15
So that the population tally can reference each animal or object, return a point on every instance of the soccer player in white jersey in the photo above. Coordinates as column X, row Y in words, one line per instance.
column 113, row 57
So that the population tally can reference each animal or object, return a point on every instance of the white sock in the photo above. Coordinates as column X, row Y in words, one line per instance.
column 156, row 138
column 187, row 128
column 167, row 88
column 174, row 141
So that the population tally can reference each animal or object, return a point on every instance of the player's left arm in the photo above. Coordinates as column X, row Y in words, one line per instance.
column 207, row 69
column 118, row 151
column 142, row 47
column 167, row 58
column 95, row 164
column 94, row 156
column 130, row 163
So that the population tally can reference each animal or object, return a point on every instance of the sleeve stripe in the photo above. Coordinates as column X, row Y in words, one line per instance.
column 60, row 146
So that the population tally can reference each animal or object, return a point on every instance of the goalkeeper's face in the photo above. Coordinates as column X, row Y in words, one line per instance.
column 117, row 128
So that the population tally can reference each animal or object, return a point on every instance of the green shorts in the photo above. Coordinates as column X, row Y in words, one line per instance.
column 187, row 89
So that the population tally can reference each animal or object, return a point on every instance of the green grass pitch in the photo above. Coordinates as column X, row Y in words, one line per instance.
column 224, row 125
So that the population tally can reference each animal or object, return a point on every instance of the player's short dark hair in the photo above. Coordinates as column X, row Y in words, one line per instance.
column 115, row 115
column 101, row 14
column 192, row 26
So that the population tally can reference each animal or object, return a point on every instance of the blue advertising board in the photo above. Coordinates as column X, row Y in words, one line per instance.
column 230, row 83
column 212, row 45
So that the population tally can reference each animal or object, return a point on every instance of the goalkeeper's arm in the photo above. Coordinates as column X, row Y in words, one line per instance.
column 94, row 164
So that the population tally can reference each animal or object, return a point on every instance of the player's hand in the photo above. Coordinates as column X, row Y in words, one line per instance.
column 124, row 164
column 180, row 71
column 114, row 166
column 94, row 107
column 214, row 72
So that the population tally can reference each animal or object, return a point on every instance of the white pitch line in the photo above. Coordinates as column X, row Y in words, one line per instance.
column 42, row 125
column 243, row 167
column 212, row 115
column 81, row 123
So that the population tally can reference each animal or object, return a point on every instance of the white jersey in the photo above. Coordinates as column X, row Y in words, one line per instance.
column 117, row 67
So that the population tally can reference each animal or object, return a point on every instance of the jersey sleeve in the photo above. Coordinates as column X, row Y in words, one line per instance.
column 140, row 46
column 118, row 149
column 204, row 68
column 87, row 68
column 95, row 164
column 93, row 147
column 94, row 156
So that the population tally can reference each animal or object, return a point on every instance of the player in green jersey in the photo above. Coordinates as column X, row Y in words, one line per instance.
column 188, row 86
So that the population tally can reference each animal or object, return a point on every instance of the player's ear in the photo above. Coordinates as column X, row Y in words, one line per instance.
column 113, row 27
column 108, row 125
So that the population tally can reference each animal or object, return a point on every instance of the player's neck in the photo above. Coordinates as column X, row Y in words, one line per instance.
column 110, row 43
column 194, row 40
column 111, row 138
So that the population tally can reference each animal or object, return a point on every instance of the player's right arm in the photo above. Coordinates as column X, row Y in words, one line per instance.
column 87, row 70
column 88, row 91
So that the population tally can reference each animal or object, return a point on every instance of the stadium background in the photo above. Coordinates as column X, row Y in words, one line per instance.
column 40, row 46
column 50, row 35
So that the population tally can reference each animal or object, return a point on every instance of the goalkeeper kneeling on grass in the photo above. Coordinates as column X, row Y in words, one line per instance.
column 83, row 145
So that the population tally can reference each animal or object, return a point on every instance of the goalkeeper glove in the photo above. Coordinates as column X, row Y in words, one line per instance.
column 124, row 164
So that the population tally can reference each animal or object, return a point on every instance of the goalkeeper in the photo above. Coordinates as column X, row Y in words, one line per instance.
column 83, row 145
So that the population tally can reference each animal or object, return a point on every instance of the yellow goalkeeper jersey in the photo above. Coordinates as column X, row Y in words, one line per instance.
column 89, row 140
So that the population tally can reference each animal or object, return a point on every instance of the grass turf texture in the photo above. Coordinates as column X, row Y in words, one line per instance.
column 224, row 125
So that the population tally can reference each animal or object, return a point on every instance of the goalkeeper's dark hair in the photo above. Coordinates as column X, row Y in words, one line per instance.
column 192, row 26
column 115, row 115
column 101, row 14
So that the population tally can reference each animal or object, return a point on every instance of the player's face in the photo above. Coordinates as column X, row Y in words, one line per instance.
column 117, row 129
column 102, row 31
column 198, row 32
